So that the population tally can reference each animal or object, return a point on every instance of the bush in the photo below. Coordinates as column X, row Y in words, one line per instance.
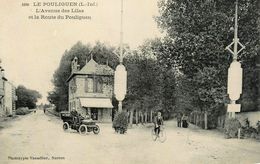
column 231, row 127
column 120, row 122
column 249, row 132
column 22, row 111
column 258, row 127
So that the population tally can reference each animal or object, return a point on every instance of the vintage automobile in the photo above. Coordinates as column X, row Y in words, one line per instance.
column 73, row 120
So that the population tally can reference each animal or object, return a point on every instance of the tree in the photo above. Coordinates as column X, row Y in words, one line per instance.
column 151, row 84
column 197, row 33
column 26, row 97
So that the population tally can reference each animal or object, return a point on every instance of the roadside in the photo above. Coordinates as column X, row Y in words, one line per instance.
column 5, row 122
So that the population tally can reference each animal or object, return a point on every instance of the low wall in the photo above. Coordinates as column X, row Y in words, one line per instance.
column 253, row 117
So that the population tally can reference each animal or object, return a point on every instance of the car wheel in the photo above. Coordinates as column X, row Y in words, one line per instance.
column 96, row 129
column 83, row 129
column 66, row 126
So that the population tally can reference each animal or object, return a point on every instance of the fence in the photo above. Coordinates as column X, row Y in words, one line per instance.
column 221, row 121
column 199, row 119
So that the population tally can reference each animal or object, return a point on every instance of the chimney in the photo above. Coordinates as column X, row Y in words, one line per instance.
column 74, row 65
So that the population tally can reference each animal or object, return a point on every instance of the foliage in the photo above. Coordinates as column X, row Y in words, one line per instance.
column 258, row 127
column 150, row 84
column 197, row 33
column 22, row 111
column 101, row 54
column 120, row 122
column 231, row 127
column 26, row 97
column 248, row 131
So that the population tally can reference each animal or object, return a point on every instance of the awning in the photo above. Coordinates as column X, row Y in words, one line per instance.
column 96, row 102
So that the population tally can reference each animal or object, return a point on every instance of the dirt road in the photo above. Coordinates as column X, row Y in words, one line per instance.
column 39, row 138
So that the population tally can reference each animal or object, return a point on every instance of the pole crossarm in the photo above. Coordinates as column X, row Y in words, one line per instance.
column 233, row 52
column 235, row 42
column 228, row 48
column 242, row 47
column 118, row 55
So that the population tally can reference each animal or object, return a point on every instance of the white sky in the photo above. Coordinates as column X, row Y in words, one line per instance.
column 31, row 49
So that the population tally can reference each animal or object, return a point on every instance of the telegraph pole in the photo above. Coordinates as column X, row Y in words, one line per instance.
column 120, row 73
column 121, row 34
column 235, row 71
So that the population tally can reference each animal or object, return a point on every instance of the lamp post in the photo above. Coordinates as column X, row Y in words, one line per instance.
column 235, row 72
column 120, row 73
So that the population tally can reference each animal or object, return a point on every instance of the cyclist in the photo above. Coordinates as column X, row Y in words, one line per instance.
column 158, row 121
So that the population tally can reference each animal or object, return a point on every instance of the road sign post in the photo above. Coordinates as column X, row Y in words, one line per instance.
column 235, row 72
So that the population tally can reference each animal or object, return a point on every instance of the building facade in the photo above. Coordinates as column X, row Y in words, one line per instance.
column 91, row 90
column 2, row 93
column 7, row 96
column 9, row 99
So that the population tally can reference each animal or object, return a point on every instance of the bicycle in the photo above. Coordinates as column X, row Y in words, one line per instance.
column 162, row 135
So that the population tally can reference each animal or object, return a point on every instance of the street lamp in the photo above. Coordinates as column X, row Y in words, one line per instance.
column 120, row 73
column 235, row 72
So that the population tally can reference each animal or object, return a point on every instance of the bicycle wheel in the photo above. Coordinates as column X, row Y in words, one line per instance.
column 154, row 137
column 162, row 136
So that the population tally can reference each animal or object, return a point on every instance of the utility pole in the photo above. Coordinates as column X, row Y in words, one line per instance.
column 235, row 71
column 120, row 73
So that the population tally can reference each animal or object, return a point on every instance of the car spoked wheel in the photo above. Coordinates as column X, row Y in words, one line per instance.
column 83, row 129
column 96, row 129
column 66, row 126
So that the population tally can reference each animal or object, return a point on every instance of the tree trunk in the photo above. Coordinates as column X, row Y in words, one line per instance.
column 151, row 116
column 197, row 119
column 131, row 118
column 206, row 120
column 142, row 117
column 145, row 116
column 136, row 116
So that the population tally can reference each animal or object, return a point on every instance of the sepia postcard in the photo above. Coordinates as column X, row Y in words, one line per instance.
column 129, row 82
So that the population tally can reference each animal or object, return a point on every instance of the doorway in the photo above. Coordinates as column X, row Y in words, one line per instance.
column 94, row 113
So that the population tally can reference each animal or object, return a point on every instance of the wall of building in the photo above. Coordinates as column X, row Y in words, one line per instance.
column 107, row 88
column 8, row 99
column 79, row 80
column 2, row 113
column 105, row 115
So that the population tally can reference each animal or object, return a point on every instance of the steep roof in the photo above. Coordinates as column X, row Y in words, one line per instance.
column 93, row 67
